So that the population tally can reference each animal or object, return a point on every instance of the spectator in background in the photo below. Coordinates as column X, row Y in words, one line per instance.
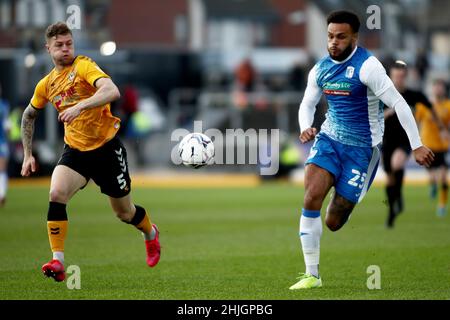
column 135, row 124
column 244, row 82
column 4, row 150
column 290, row 156
column 297, row 78
column 431, row 135
column 422, row 65
column 245, row 75
column 15, row 141
column 128, row 106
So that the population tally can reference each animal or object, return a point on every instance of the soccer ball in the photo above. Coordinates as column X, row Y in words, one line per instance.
column 196, row 150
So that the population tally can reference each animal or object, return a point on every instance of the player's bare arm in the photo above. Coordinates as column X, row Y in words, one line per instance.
column 27, row 128
column 388, row 112
column 442, row 128
column 106, row 92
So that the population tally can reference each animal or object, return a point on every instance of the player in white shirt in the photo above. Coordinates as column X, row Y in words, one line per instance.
column 345, row 154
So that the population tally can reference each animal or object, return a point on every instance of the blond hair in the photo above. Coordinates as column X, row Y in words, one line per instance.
column 58, row 28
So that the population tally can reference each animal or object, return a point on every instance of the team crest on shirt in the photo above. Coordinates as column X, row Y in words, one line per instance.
column 349, row 72
column 72, row 76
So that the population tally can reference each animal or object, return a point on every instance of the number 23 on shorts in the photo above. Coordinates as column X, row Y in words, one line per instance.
column 358, row 179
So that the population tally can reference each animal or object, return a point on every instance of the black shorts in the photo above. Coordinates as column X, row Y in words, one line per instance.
column 439, row 160
column 388, row 151
column 107, row 166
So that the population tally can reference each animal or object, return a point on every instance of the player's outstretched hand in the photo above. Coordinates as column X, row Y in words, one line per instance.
column 308, row 135
column 423, row 156
column 28, row 166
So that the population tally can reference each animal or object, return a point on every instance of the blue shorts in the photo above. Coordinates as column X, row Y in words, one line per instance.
column 353, row 168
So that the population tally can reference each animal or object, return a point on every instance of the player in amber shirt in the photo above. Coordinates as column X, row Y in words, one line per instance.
column 432, row 137
column 81, row 93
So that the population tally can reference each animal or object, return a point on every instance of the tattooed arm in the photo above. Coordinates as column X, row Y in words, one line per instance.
column 29, row 116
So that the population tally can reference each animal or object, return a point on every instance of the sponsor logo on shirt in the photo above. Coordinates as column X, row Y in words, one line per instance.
column 61, row 99
column 337, row 88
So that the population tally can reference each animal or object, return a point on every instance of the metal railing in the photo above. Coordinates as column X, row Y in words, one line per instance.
column 236, row 109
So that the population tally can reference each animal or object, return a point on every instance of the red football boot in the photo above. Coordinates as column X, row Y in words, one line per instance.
column 54, row 269
column 153, row 249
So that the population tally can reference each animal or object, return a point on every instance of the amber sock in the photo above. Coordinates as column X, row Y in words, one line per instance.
column 57, row 228
column 141, row 221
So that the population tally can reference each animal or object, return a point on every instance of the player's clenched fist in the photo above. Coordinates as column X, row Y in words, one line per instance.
column 423, row 156
column 308, row 135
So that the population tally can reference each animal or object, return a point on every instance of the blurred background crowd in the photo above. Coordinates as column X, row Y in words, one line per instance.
column 232, row 64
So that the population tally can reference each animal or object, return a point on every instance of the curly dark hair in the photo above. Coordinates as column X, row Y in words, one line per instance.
column 345, row 16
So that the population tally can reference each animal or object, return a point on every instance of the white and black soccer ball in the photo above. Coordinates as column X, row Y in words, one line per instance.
column 196, row 150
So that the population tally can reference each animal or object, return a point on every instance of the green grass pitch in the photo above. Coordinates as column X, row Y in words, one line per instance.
column 224, row 244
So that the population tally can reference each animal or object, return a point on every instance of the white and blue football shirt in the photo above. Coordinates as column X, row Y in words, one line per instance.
column 351, row 87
